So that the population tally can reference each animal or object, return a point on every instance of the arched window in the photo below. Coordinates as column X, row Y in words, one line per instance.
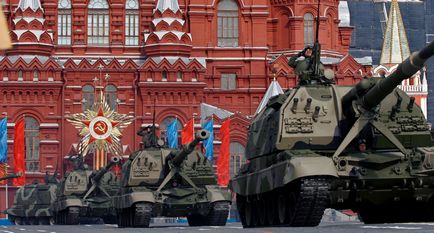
column 132, row 22
column 164, row 75
column 35, row 75
column 195, row 76
column 163, row 128
column 98, row 23
column 31, row 135
column 227, row 17
column 88, row 97
column 64, row 22
column 20, row 75
column 237, row 157
column 179, row 76
column 308, row 29
column 5, row 75
column 111, row 96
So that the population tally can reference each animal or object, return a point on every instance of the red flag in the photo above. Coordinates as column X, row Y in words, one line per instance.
column 19, row 155
column 223, row 159
column 187, row 132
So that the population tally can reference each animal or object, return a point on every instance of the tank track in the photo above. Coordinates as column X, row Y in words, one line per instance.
column 217, row 216
column 311, row 202
column 137, row 216
column 298, row 204
column 70, row 216
column 31, row 220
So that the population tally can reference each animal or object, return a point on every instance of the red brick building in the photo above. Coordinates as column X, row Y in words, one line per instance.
column 181, row 54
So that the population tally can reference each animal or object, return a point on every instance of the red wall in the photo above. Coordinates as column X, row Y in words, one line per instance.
column 266, row 30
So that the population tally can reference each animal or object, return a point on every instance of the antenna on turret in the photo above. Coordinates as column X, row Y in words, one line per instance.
column 317, row 48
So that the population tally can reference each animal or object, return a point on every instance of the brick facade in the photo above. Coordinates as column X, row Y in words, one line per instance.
column 178, row 62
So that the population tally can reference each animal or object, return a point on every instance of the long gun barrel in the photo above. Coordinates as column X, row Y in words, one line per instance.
column 99, row 174
column 404, row 71
column 10, row 176
column 182, row 154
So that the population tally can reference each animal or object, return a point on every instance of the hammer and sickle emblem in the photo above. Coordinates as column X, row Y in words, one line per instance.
column 101, row 127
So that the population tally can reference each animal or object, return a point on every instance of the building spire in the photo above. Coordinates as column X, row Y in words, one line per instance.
column 163, row 5
column 395, row 45
column 32, row 4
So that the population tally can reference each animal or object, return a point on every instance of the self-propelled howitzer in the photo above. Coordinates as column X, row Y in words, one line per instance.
column 85, row 193
column 32, row 202
column 158, row 181
column 366, row 148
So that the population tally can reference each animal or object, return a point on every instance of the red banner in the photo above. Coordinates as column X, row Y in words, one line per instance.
column 224, row 157
column 187, row 132
column 19, row 154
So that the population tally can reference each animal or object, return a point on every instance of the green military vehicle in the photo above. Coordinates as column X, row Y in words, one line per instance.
column 159, row 181
column 367, row 148
column 32, row 203
column 85, row 193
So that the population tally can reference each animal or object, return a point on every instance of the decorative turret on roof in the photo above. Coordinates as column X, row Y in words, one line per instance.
column 32, row 4
column 29, row 31
column 163, row 5
column 168, row 36
column 395, row 45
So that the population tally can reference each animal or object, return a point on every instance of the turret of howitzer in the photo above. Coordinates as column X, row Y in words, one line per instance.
column 370, row 93
column 99, row 174
column 10, row 176
column 181, row 155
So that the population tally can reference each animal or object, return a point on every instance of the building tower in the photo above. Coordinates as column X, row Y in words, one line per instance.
column 30, row 34
column 395, row 50
column 169, row 65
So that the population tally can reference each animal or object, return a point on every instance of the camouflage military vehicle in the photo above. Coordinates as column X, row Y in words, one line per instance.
column 174, row 183
column 367, row 148
column 85, row 193
column 32, row 203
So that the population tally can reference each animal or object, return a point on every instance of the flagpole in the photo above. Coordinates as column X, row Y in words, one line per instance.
column 176, row 120
column 7, row 196
column 6, row 171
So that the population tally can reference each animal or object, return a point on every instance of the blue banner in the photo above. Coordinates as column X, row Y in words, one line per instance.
column 172, row 134
column 4, row 140
column 208, row 143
